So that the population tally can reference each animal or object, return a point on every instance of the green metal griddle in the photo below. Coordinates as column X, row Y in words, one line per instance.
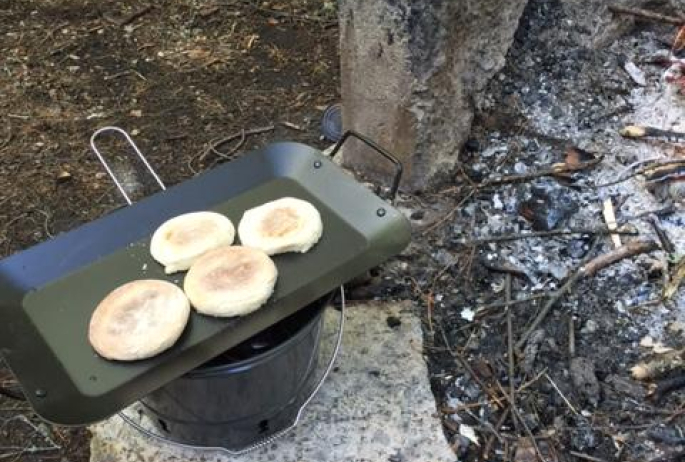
column 48, row 292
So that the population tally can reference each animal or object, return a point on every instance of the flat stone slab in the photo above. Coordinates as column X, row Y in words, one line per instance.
column 376, row 406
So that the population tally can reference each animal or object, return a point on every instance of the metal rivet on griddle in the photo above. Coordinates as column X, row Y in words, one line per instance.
column 41, row 393
column 380, row 212
column 317, row 164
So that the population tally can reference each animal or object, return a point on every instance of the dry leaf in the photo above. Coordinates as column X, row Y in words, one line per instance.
column 198, row 53
column 675, row 280
column 208, row 10
column 575, row 157
column 525, row 451
column 470, row 433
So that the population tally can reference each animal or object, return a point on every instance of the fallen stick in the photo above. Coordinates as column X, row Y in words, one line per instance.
column 667, row 386
column 491, row 438
column 129, row 18
column 462, row 361
column 640, row 171
column 629, row 250
column 510, row 346
column 555, row 170
column 588, row 269
column 554, row 232
column 645, row 131
column 580, row 455
column 610, row 220
column 506, row 268
column 646, row 14
column 519, row 301
column 659, row 366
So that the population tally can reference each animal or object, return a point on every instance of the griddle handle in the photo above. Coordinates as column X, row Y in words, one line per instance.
column 112, row 175
column 398, row 165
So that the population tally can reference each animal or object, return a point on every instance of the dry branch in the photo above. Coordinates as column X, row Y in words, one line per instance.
column 551, row 171
column 588, row 269
column 648, row 15
column 552, row 233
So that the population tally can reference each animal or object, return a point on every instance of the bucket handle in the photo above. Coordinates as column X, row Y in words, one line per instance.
column 109, row 170
column 270, row 439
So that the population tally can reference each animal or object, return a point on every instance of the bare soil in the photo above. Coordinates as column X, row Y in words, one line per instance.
column 178, row 76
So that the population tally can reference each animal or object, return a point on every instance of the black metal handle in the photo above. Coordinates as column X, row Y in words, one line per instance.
column 398, row 165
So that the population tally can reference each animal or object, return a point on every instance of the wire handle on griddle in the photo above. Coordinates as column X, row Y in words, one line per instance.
column 398, row 165
column 109, row 170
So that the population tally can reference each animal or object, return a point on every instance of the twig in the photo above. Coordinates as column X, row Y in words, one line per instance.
column 629, row 250
column 639, row 172
column 554, row 232
column 491, row 439
column 646, row 14
column 571, row 337
column 46, row 223
column 556, row 388
column 523, row 423
column 660, row 212
column 610, row 219
column 513, row 179
column 129, row 18
column 580, row 455
column 9, row 136
column 505, row 268
column 588, row 269
column 241, row 135
column 462, row 361
column 518, row 301
column 117, row 75
column 664, row 240
column 449, row 215
column 228, row 155
column 668, row 385
column 430, row 300
column 510, row 344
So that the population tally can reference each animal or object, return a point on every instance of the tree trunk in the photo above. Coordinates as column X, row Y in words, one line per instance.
column 410, row 69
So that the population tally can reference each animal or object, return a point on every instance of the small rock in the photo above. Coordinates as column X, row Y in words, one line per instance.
column 461, row 446
column 417, row 215
column 63, row 176
column 525, row 451
column 584, row 379
column 676, row 327
column 625, row 386
column 530, row 352
column 583, row 437
column 635, row 73
column 590, row 327
column 393, row 321
column 548, row 207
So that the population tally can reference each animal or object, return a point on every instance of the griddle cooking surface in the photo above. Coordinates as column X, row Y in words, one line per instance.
column 49, row 292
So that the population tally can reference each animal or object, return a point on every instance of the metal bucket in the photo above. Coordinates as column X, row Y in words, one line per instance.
column 248, row 393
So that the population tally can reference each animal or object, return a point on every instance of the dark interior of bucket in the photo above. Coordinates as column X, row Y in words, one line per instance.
column 271, row 337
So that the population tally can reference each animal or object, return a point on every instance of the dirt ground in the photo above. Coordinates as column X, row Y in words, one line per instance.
column 178, row 76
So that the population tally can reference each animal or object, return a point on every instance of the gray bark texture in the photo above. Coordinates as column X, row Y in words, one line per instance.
column 410, row 69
